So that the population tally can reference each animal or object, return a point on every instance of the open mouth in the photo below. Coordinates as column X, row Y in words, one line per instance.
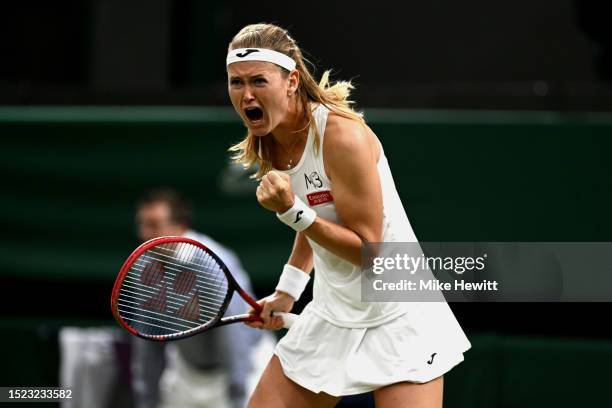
column 254, row 114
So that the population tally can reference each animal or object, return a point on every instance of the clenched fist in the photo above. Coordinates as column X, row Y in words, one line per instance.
column 274, row 192
column 276, row 302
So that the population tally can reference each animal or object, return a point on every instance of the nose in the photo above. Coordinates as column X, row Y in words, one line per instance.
column 248, row 95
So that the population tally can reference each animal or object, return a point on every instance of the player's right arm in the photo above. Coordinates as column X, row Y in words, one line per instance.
column 301, row 254
column 301, row 258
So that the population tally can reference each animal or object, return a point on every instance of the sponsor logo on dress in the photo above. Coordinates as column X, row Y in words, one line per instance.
column 319, row 197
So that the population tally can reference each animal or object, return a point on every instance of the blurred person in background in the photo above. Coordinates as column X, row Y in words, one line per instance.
column 209, row 369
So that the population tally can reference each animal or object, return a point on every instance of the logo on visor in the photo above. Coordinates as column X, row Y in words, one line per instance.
column 247, row 52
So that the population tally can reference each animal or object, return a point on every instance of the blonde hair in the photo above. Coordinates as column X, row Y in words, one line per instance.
column 254, row 150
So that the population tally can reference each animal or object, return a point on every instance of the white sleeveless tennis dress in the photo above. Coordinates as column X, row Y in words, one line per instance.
column 341, row 345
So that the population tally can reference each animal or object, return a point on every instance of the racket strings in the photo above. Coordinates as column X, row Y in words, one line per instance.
column 173, row 267
column 145, row 291
column 172, row 288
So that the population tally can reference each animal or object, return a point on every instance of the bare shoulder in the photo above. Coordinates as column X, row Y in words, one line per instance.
column 341, row 132
column 348, row 140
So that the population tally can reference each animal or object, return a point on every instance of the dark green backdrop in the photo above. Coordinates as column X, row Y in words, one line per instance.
column 71, row 176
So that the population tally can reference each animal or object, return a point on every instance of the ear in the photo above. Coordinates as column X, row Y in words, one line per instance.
column 293, row 82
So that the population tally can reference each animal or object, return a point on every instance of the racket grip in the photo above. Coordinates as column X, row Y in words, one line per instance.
column 288, row 318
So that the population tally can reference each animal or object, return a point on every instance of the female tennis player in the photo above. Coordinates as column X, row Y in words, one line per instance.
column 324, row 173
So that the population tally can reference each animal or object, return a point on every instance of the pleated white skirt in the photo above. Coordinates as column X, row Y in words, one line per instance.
column 418, row 346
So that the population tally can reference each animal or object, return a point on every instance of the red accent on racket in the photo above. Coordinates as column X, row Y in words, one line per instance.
column 170, row 288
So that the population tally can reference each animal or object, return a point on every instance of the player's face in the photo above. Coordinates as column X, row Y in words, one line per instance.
column 259, row 93
column 153, row 220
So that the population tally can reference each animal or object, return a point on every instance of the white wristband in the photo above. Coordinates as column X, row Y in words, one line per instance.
column 299, row 217
column 293, row 281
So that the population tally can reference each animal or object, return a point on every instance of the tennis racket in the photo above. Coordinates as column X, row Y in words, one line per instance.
column 174, row 287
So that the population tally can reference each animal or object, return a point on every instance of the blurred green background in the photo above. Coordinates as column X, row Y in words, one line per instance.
column 72, row 175
column 495, row 116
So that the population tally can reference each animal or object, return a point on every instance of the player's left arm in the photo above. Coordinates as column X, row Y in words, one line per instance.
column 350, row 155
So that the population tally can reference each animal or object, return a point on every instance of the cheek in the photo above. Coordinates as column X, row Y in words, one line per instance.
column 277, row 102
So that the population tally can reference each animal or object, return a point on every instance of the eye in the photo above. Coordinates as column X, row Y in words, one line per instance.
column 259, row 81
column 235, row 82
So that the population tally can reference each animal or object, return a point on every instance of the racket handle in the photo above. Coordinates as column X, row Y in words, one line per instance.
column 288, row 318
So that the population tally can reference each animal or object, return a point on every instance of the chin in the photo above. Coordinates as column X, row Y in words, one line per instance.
column 259, row 131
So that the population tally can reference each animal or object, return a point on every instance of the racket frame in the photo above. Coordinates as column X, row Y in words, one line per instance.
column 217, row 321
